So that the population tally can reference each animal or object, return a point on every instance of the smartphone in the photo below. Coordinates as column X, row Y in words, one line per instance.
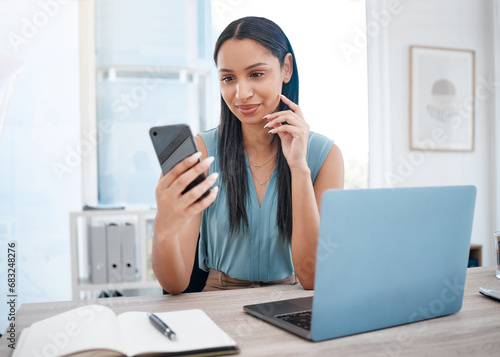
column 173, row 143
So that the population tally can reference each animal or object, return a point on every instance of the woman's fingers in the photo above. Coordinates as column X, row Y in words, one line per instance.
column 279, row 118
column 177, row 170
column 175, row 207
column 290, row 118
column 197, row 191
column 190, row 175
column 180, row 177
column 290, row 129
column 293, row 116
column 292, row 105
column 202, row 204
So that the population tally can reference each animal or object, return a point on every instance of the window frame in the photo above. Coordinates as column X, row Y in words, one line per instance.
column 88, row 117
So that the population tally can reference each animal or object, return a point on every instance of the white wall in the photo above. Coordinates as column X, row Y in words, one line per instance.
column 465, row 24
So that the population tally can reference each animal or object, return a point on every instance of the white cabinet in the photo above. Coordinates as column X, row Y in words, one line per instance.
column 80, row 223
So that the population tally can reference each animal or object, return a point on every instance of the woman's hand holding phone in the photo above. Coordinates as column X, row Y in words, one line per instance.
column 175, row 208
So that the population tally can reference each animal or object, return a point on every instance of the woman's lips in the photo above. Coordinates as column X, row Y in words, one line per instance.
column 248, row 109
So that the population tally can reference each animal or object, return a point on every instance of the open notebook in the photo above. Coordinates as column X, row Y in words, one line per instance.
column 95, row 330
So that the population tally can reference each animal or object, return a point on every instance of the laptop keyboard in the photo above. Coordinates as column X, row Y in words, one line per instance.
column 301, row 319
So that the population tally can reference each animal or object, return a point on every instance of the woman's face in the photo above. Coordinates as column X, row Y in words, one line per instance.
column 251, row 79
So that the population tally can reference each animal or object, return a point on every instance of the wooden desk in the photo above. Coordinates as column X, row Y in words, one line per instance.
column 473, row 331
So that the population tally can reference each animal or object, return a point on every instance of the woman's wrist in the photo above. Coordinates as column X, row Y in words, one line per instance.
column 300, row 170
column 163, row 235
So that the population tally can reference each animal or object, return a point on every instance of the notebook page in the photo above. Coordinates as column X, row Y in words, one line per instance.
column 194, row 330
column 86, row 328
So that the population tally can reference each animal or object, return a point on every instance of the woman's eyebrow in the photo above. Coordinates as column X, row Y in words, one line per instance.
column 246, row 69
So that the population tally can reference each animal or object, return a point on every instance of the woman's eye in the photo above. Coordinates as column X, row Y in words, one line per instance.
column 257, row 74
column 227, row 79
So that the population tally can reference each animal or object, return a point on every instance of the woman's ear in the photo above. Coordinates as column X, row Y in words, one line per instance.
column 287, row 70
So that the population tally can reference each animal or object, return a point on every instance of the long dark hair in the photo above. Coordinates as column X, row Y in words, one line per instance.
column 231, row 152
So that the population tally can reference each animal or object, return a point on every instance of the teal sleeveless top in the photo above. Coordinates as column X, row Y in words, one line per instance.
column 257, row 255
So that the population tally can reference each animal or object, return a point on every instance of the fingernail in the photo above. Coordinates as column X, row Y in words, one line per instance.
column 266, row 116
column 214, row 176
column 210, row 159
column 265, row 126
column 197, row 155
column 271, row 131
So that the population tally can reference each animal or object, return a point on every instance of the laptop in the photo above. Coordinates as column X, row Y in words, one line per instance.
column 385, row 257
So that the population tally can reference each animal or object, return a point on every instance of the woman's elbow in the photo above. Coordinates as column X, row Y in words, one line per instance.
column 306, row 280
column 308, row 285
column 171, row 282
column 173, row 287
column 174, row 291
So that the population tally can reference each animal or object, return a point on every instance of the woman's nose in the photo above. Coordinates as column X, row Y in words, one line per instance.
column 243, row 91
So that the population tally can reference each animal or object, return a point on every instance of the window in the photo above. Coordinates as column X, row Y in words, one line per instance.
column 152, row 68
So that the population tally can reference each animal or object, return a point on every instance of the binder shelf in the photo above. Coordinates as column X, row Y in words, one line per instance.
column 111, row 250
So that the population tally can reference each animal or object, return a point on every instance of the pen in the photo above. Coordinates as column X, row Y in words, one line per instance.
column 162, row 326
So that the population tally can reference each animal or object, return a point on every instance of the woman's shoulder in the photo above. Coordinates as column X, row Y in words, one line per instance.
column 319, row 142
column 317, row 150
column 210, row 138
column 210, row 134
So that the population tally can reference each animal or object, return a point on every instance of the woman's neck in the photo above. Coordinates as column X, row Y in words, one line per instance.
column 258, row 143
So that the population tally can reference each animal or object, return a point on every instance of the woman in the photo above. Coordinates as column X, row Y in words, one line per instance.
column 260, row 223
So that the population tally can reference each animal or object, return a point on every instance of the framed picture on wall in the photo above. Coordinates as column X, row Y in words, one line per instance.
column 442, row 99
